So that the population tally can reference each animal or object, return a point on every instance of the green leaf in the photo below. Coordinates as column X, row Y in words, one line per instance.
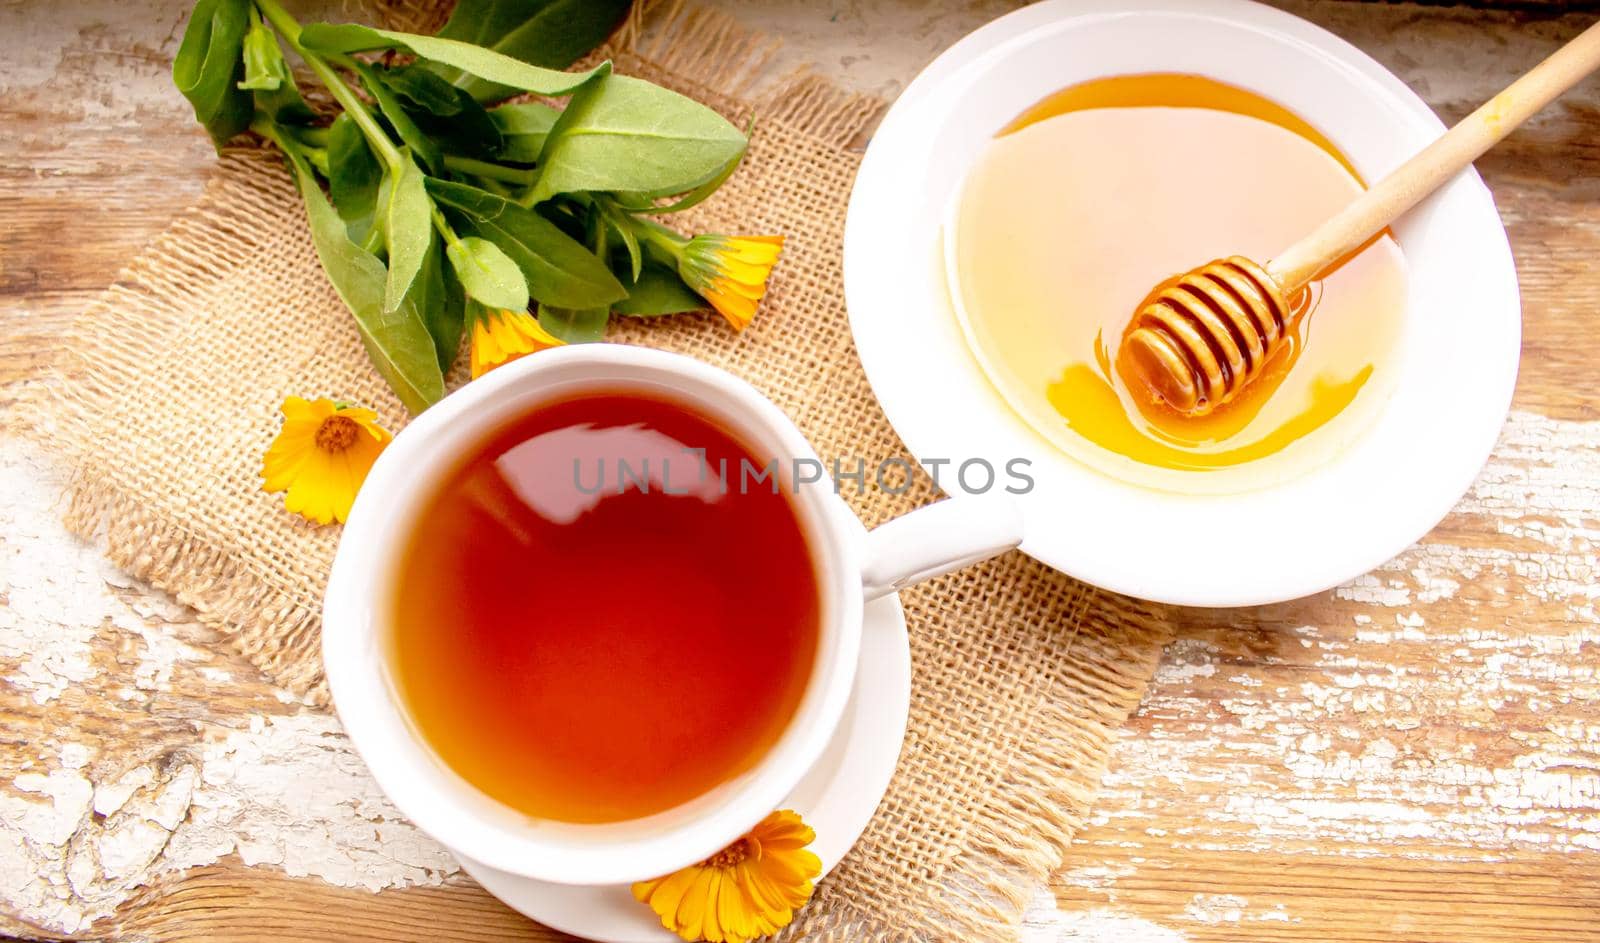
column 575, row 326
column 558, row 269
column 570, row 215
column 208, row 67
column 431, row 296
column 450, row 118
column 523, row 127
column 422, row 88
column 260, row 45
column 642, row 203
column 699, row 194
column 549, row 33
column 450, row 323
column 476, row 60
column 407, row 230
column 395, row 113
column 267, row 75
column 354, row 175
column 488, row 274
column 615, row 221
column 397, row 341
column 659, row 290
column 630, row 242
column 624, row 133
column 318, row 159
column 470, row 130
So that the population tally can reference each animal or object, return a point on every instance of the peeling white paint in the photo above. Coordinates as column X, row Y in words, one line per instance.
column 291, row 792
column 53, row 818
column 78, row 834
column 1216, row 908
column 1445, row 711
column 1045, row 922
column 1371, row 588
column 54, row 588
column 1186, row 660
column 1095, row 876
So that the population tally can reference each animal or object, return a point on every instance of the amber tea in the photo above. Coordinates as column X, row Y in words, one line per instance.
column 590, row 625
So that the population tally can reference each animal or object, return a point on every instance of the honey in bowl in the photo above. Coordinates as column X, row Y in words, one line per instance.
column 589, row 625
column 1088, row 201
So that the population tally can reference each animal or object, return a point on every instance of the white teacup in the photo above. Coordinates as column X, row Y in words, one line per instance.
column 850, row 568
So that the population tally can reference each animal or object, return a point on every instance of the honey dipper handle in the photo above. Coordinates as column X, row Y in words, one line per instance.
column 1438, row 162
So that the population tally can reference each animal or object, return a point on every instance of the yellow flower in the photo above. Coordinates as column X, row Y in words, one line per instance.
column 321, row 456
column 730, row 272
column 501, row 336
column 749, row 889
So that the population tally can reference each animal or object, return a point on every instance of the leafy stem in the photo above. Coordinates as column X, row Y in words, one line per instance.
column 315, row 137
column 289, row 28
column 488, row 170
column 446, row 231
column 422, row 147
column 267, row 129
column 528, row 197
column 652, row 232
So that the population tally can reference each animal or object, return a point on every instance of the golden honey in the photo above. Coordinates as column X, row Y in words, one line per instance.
column 1090, row 200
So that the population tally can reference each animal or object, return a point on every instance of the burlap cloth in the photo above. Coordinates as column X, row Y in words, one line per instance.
column 168, row 395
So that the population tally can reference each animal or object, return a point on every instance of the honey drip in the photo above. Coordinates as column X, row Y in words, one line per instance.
column 1066, row 224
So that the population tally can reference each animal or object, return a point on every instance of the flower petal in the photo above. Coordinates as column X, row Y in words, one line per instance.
column 320, row 485
column 285, row 457
column 644, row 890
column 666, row 896
column 730, row 272
column 696, row 900
column 749, row 890
column 500, row 337
column 734, row 910
column 296, row 409
column 312, row 495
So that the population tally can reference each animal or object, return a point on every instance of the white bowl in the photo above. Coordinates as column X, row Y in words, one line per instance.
column 1457, row 354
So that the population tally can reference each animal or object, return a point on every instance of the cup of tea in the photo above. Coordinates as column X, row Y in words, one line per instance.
column 597, row 613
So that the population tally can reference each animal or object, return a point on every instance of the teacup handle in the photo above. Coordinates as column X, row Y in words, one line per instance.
column 934, row 540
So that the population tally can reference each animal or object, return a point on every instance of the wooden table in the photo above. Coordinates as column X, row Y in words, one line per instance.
column 1415, row 756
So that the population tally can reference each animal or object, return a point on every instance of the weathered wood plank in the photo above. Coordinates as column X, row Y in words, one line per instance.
column 230, row 903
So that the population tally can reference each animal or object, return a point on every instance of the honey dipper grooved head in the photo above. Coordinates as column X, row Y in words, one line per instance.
column 1203, row 336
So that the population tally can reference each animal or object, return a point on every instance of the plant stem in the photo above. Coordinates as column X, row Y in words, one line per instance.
column 481, row 168
column 496, row 187
column 652, row 232
column 342, row 93
column 445, row 230
column 267, row 129
column 318, row 157
column 286, row 143
column 314, row 137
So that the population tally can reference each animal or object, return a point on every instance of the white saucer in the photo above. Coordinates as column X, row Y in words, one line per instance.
column 1457, row 358
column 837, row 798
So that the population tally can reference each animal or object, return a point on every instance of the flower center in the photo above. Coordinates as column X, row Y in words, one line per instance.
column 337, row 433
column 729, row 856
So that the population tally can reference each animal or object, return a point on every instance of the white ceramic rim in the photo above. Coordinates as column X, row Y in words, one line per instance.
column 1386, row 489
column 440, row 802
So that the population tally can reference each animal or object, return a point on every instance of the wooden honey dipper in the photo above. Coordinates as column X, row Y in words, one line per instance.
column 1202, row 337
